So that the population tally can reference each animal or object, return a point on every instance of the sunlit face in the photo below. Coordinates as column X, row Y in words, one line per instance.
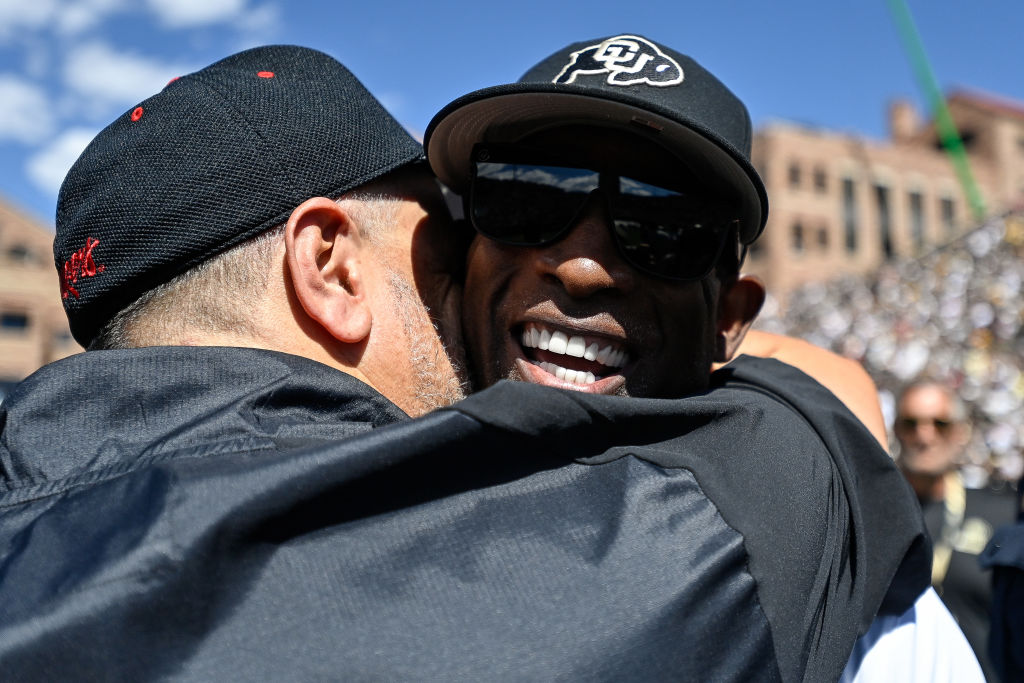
column 573, row 314
column 417, row 296
column 930, row 435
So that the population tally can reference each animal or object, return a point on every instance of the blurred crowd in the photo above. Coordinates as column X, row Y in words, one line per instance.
column 954, row 314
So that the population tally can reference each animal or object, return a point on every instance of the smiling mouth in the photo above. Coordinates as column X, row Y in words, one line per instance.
column 573, row 359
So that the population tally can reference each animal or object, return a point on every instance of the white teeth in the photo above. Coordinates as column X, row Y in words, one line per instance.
column 576, row 347
column 559, row 342
column 571, row 376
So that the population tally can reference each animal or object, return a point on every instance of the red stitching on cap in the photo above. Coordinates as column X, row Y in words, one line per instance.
column 81, row 264
column 265, row 74
column 137, row 114
column 172, row 80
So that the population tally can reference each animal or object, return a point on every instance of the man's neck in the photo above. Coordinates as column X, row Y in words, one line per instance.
column 927, row 486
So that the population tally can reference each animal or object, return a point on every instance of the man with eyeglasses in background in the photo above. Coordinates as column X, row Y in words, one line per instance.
column 614, row 199
column 932, row 430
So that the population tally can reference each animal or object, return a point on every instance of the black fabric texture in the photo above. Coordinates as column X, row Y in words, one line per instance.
column 1004, row 555
column 165, row 526
column 218, row 156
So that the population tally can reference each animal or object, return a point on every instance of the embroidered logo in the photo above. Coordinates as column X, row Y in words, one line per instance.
column 627, row 60
column 81, row 264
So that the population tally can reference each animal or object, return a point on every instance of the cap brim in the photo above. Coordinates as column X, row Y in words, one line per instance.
column 506, row 114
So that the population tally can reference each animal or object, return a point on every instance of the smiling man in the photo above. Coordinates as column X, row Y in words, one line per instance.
column 617, row 204
column 613, row 197
column 642, row 309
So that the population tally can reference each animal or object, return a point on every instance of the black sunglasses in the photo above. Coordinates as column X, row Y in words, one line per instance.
column 911, row 423
column 661, row 231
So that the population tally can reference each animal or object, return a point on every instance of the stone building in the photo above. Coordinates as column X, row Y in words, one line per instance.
column 33, row 329
column 841, row 203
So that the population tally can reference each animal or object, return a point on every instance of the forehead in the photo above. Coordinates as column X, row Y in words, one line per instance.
column 926, row 400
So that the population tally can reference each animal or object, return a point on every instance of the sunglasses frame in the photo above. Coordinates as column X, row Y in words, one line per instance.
column 518, row 154
column 912, row 423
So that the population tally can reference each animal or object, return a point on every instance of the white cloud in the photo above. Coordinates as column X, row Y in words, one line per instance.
column 180, row 13
column 48, row 167
column 18, row 15
column 101, row 73
column 67, row 18
column 261, row 20
column 25, row 110
column 76, row 17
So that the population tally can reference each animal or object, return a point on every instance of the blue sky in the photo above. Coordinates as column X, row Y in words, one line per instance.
column 69, row 67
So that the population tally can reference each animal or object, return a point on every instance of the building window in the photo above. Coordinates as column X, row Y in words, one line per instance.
column 850, row 214
column 884, row 220
column 13, row 322
column 823, row 238
column 947, row 210
column 916, row 207
column 794, row 175
column 820, row 180
column 19, row 253
column 797, row 237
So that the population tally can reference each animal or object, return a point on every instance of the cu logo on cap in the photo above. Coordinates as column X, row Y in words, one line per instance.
column 627, row 60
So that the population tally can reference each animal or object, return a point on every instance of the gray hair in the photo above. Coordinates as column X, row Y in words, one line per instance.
column 211, row 297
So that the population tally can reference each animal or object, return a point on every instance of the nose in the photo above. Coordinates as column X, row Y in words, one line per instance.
column 586, row 260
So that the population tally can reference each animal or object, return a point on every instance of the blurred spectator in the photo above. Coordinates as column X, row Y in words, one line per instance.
column 932, row 431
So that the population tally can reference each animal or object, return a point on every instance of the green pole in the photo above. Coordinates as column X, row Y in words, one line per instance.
column 947, row 131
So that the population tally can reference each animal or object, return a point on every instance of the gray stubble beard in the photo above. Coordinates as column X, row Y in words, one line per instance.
column 433, row 386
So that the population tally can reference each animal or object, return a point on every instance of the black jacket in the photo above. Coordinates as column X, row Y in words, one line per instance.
column 209, row 513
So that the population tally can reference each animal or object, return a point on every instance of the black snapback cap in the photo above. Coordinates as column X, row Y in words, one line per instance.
column 624, row 81
column 217, row 157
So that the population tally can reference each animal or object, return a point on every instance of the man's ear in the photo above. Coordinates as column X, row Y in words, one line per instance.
column 324, row 254
column 738, row 305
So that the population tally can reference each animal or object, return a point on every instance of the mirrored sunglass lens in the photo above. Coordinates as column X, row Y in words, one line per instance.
column 665, row 232
column 527, row 204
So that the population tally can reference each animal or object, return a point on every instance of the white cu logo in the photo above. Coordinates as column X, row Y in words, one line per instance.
column 627, row 60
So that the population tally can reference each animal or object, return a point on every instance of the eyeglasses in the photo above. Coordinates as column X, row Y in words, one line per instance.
column 911, row 423
column 660, row 231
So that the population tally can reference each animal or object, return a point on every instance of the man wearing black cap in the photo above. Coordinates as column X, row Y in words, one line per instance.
column 614, row 198
column 206, row 216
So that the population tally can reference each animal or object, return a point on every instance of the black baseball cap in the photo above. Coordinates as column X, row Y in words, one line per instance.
column 624, row 81
column 215, row 158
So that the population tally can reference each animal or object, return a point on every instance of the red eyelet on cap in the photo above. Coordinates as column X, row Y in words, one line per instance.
column 266, row 74
column 137, row 114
